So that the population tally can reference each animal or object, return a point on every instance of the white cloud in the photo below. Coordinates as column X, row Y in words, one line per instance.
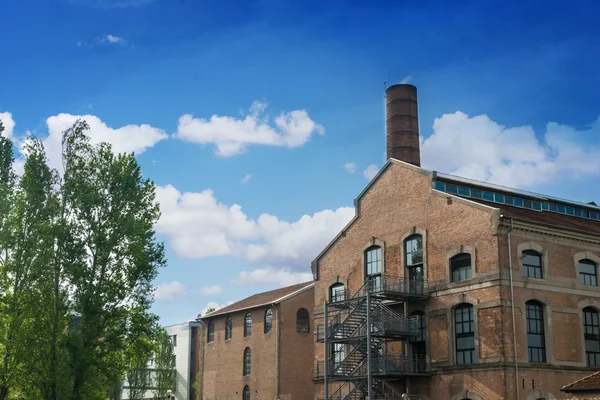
column 199, row 226
column 246, row 178
column 216, row 306
column 232, row 136
column 371, row 171
column 406, row 80
column 270, row 276
column 350, row 167
column 214, row 289
column 482, row 149
column 169, row 291
column 129, row 138
column 106, row 39
column 9, row 124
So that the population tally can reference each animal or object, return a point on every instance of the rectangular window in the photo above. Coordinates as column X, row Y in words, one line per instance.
column 552, row 207
column 499, row 198
column 570, row 210
column 536, row 205
column 440, row 186
column 518, row 202
column 488, row 196
column 174, row 340
column 532, row 265
column 527, row 204
column 536, row 342
column 374, row 261
column 593, row 215
column 464, row 326
column 560, row 209
column 578, row 212
column 587, row 273
column 591, row 331
column 585, row 213
column 476, row 193
column 545, row 206
column 451, row 189
column 463, row 191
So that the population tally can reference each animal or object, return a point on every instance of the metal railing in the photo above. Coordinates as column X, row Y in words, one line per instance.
column 382, row 325
column 389, row 364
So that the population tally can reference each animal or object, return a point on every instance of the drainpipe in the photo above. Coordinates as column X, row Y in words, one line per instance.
column 512, row 306
column 277, row 332
column 325, row 354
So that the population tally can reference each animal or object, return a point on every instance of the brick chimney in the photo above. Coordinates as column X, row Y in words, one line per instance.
column 402, row 124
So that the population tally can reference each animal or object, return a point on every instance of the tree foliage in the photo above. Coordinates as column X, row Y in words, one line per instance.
column 78, row 255
column 164, row 360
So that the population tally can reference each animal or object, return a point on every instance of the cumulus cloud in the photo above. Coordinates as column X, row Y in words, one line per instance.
column 214, row 289
column 480, row 148
column 199, row 226
column 371, row 171
column 350, row 167
column 9, row 124
column 232, row 136
column 169, row 291
column 270, row 276
column 246, row 178
column 126, row 139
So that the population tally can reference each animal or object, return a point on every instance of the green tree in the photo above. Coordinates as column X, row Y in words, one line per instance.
column 164, row 360
column 115, row 258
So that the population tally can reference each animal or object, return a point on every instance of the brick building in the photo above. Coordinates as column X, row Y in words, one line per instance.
column 261, row 347
column 471, row 290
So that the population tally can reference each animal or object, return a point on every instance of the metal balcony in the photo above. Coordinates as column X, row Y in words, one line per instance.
column 389, row 365
column 388, row 326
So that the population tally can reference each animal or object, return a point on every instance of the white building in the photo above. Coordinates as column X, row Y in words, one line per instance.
column 186, row 344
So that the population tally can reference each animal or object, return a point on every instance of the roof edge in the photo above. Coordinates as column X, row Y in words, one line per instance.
column 216, row 313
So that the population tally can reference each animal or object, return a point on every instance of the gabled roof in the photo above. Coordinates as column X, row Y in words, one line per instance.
column 262, row 299
column 590, row 383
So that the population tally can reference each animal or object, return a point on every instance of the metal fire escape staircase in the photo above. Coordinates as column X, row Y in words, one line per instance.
column 358, row 361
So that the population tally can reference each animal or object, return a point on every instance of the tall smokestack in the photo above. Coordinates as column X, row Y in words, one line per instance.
column 402, row 124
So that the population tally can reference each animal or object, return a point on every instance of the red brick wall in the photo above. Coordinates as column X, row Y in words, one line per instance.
column 296, row 353
column 223, row 359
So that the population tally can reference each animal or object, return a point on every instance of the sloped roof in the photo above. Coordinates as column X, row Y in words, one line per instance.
column 545, row 218
column 590, row 383
column 262, row 299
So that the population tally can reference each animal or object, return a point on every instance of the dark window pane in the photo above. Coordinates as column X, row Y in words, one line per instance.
column 509, row 200
column 451, row 188
column 228, row 329
column 460, row 266
column 248, row 325
column 373, row 260
column 527, row 204
column 439, row 186
column 570, row 210
column 463, row 191
column 302, row 321
column 578, row 212
column 560, row 208
column 536, row 343
column 552, row 207
column 476, row 193
column 536, row 205
column 587, row 273
column 545, row 205
column 499, row 198
column 268, row 320
column 489, row 196
column 518, row 202
column 413, row 247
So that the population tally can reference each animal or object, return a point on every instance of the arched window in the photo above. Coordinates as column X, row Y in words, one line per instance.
column 591, row 330
column 536, row 341
column 337, row 292
column 373, row 266
column 210, row 336
column 302, row 321
column 248, row 325
column 532, row 264
column 246, row 393
column 460, row 265
column 587, row 273
column 247, row 361
column 228, row 328
column 413, row 256
column 268, row 320
column 464, row 330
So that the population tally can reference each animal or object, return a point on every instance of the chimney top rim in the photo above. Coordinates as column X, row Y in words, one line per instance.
column 398, row 85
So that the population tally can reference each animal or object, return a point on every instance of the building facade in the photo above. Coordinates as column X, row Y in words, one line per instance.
column 260, row 347
column 186, row 339
column 447, row 288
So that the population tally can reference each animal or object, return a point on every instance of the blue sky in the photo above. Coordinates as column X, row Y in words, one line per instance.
column 296, row 90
